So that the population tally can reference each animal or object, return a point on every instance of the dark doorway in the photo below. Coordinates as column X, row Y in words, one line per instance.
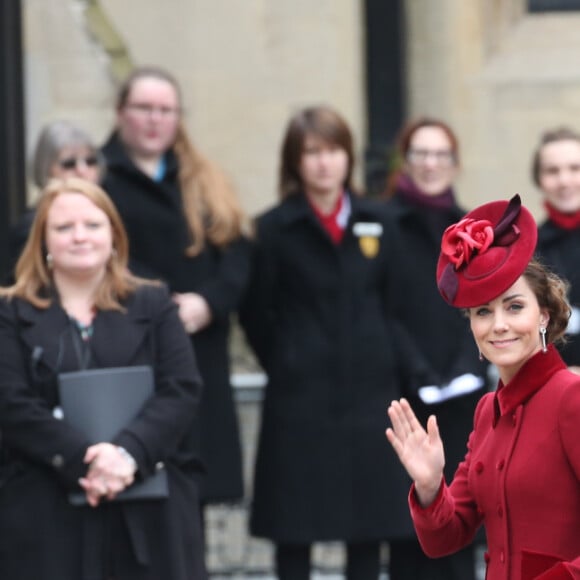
column 553, row 5
column 385, row 86
column 12, row 147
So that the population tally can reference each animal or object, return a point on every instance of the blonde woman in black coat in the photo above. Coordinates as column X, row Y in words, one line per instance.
column 422, row 202
column 74, row 306
column 318, row 316
column 185, row 227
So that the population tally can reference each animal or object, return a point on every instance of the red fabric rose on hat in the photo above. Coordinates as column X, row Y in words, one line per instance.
column 485, row 253
column 461, row 240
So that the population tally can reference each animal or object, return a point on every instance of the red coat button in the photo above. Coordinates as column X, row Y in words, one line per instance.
column 501, row 465
column 478, row 467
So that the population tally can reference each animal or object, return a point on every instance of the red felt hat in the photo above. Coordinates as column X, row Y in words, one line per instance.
column 485, row 253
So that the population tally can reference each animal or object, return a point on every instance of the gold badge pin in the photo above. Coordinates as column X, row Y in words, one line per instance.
column 369, row 246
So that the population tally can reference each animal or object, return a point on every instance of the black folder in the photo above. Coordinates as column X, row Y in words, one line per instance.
column 100, row 403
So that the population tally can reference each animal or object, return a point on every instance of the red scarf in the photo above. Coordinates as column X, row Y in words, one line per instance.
column 566, row 221
column 330, row 221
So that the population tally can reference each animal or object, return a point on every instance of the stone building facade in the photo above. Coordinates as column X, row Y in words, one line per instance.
column 497, row 72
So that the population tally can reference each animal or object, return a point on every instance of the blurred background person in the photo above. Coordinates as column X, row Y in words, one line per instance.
column 423, row 203
column 556, row 171
column 62, row 150
column 317, row 314
column 74, row 306
column 185, row 227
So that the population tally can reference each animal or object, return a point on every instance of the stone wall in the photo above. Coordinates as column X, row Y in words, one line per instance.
column 500, row 76
column 66, row 73
column 245, row 68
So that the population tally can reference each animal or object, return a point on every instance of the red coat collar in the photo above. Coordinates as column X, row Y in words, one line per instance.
column 535, row 373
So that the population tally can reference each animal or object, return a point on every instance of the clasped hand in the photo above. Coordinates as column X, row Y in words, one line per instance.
column 420, row 452
column 109, row 473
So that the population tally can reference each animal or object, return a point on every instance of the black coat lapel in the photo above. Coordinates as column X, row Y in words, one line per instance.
column 43, row 329
column 118, row 336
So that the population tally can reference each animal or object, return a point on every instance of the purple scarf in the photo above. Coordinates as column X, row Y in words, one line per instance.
column 408, row 191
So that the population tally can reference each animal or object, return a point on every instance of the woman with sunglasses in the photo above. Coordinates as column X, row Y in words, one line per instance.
column 422, row 201
column 185, row 227
column 62, row 150
column 65, row 150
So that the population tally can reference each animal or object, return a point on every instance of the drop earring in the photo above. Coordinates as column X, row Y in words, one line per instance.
column 49, row 263
column 543, row 337
column 480, row 356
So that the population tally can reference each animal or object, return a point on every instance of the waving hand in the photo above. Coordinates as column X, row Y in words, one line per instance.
column 420, row 452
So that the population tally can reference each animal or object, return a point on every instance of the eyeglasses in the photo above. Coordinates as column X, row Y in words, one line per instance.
column 72, row 162
column 147, row 110
column 442, row 157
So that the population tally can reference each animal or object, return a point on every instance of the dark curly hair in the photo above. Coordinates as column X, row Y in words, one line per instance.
column 550, row 291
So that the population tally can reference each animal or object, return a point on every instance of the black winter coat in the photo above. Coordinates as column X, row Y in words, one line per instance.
column 560, row 250
column 41, row 535
column 158, row 235
column 317, row 315
column 440, row 332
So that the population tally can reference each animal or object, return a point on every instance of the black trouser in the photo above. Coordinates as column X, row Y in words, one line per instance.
column 363, row 561
column 409, row 562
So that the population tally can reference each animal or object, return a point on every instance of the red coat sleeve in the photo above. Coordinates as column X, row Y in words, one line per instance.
column 451, row 521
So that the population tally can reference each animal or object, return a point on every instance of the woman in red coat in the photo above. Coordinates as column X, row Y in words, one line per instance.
column 520, row 476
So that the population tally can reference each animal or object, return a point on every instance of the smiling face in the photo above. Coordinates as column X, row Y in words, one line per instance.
column 149, row 117
column 78, row 237
column 430, row 161
column 507, row 330
column 559, row 174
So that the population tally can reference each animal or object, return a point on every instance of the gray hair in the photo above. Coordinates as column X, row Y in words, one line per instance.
column 53, row 138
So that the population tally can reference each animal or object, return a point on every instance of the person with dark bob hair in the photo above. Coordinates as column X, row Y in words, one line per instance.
column 328, row 126
column 318, row 315
column 556, row 171
column 422, row 200
column 519, row 478
column 75, row 307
